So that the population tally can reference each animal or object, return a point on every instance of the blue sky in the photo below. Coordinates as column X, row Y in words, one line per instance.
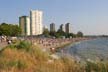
column 88, row 16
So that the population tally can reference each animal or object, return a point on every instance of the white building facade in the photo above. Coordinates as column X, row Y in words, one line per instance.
column 36, row 22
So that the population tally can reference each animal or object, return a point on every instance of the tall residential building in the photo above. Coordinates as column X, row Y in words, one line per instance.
column 68, row 28
column 62, row 27
column 24, row 23
column 36, row 19
column 52, row 27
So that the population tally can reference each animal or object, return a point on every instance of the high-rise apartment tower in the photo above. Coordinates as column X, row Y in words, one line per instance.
column 62, row 27
column 68, row 28
column 52, row 27
column 36, row 22
column 24, row 23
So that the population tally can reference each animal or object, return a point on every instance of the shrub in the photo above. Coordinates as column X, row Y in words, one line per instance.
column 96, row 67
column 70, row 65
column 24, row 45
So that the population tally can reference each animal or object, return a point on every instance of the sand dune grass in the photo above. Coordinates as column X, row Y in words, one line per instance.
column 25, row 57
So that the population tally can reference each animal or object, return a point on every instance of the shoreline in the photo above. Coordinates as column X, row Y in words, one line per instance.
column 68, row 45
column 63, row 52
column 56, row 44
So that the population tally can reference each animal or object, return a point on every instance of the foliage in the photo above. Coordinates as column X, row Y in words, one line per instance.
column 79, row 34
column 96, row 67
column 72, row 35
column 52, row 33
column 9, row 29
column 24, row 45
column 46, row 32
column 60, row 33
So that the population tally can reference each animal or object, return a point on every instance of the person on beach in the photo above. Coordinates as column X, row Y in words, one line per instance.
column 52, row 50
column 8, row 41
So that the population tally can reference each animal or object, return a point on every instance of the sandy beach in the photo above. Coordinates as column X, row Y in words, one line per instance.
column 54, row 43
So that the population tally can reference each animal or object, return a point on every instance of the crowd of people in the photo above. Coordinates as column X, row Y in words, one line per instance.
column 5, row 39
column 46, row 43
column 53, row 43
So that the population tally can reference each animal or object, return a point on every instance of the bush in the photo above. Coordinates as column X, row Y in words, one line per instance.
column 24, row 45
column 96, row 67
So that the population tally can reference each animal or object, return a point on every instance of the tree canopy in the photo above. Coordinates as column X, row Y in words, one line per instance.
column 79, row 34
column 46, row 32
column 9, row 29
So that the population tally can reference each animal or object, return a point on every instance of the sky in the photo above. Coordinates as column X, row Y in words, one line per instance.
column 88, row 16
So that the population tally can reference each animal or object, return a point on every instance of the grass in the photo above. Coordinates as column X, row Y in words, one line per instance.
column 25, row 57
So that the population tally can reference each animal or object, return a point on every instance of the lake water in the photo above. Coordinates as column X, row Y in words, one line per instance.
column 91, row 49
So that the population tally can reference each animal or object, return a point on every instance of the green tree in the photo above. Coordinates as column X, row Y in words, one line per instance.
column 9, row 29
column 52, row 33
column 17, row 30
column 79, row 34
column 62, row 33
column 72, row 35
column 4, row 29
column 67, row 35
column 46, row 32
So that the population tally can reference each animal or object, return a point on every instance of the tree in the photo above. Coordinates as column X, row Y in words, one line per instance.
column 72, row 35
column 4, row 29
column 16, row 31
column 67, row 35
column 79, row 34
column 9, row 29
column 46, row 32
column 52, row 33
column 62, row 33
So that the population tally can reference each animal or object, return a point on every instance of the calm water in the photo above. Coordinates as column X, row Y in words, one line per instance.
column 92, row 49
